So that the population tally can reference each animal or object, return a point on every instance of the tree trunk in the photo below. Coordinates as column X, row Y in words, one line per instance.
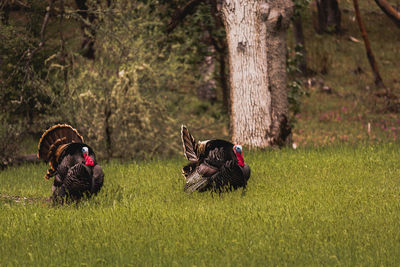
column 300, row 43
column 370, row 55
column 4, row 13
column 223, row 79
column 329, row 16
column 221, row 48
column 280, row 129
column 256, row 41
column 207, row 88
column 87, row 27
column 392, row 13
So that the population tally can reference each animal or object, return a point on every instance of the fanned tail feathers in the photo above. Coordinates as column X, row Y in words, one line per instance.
column 54, row 137
column 189, row 145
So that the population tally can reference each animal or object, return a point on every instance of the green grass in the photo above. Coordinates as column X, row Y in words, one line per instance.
column 326, row 206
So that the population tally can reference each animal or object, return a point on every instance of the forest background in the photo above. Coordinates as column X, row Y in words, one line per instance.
column 127, row 74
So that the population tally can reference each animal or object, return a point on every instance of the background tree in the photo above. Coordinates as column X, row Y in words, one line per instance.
column 87, row 27
column 120, row 99
column 255, row 33
column 25, row 93
column 213, row 38
column 329, row 16
column 299, row 7
column 208, row 86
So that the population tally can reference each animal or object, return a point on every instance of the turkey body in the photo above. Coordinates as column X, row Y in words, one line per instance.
column 72, row 163
column 74, row 179
column 213, row 165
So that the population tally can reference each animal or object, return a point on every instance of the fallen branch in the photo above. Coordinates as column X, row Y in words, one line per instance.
column 370, row 55
column 392, row 13
column 22, row 159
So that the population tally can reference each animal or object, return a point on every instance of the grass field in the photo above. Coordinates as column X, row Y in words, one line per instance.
column 326, row 206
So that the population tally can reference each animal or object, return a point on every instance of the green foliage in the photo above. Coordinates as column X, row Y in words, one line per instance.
column 300, row 7
column 313, row 207
column 119, row 100
column 24, row 91
column 118, row 120
column 296, row 87
column 10, row 138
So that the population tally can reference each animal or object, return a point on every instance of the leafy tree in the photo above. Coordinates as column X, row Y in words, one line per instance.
column 24, row 90
column 207, row 27
column 119, row 99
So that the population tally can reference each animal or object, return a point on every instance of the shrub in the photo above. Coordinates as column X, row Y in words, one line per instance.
column 118, row 101
column 10, row 137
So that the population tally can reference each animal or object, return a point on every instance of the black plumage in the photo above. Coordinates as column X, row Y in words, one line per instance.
column 213, row 165
column 75, row 174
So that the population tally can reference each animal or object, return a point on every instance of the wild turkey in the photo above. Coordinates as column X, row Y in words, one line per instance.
column 72, row 162
column 214, row 164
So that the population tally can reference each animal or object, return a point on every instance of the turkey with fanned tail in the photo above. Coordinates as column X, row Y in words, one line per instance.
column 72, row 163
column 214, row 164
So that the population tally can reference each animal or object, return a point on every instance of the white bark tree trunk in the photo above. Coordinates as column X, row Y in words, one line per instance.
column 206, row 90
column 257, row 51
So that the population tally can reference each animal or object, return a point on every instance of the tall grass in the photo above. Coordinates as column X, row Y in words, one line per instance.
column 329, row 206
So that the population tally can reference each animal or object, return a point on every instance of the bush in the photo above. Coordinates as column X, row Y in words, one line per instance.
column 24, row 91
column 10, row 137
column 118, row 100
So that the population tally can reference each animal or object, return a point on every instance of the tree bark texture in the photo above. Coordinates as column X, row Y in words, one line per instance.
column 257, row 59
column 370, row 55
column 329, row 16
column 392, row 13
column 207, row 88
column 280, row 128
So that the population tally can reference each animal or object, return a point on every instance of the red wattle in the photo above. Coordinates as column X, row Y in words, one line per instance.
column 88, row 160
column 240, row 158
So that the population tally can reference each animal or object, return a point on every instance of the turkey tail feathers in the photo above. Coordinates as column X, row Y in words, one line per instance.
column 195, row 182
column 189, row 145
column 54, row 137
